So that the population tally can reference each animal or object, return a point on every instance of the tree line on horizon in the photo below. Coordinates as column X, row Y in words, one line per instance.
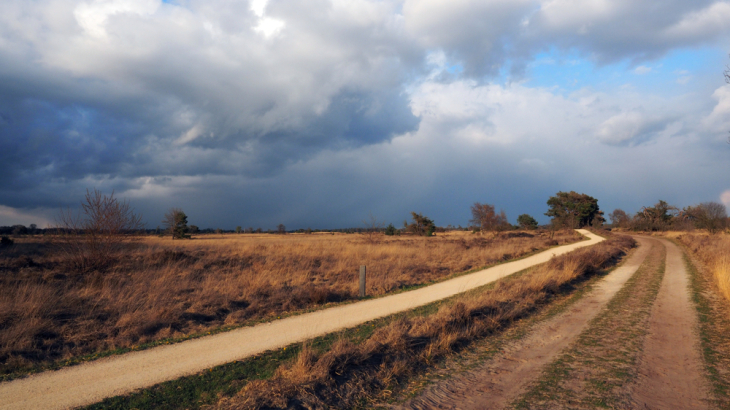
column 101, row 213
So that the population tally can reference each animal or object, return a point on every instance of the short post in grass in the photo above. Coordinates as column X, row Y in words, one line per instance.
column 362, row 281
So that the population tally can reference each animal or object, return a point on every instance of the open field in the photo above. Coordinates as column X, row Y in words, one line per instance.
column 613, row 339
column 168, row 289
column 348, row 374
column 96, row 380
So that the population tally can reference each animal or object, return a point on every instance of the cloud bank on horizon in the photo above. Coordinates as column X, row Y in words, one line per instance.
column 315, row 113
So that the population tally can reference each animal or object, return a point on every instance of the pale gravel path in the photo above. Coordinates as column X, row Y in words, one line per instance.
column 503, row 378
column 670, row 367
column 93, row 381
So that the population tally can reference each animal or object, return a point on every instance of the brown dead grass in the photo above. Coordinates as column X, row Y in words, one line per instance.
column 348, row 373
column 713, row 251
column 164, row 289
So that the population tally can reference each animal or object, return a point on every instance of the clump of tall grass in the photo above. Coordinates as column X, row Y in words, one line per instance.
column 162, row 289
column 347, row 373
column 714, row 252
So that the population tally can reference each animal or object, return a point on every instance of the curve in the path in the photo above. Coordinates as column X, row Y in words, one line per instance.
column 670, row 374
column 500, row 380
column 92, row 382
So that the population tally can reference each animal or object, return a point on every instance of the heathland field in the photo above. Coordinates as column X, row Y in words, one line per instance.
column 635, row 321
column 163, row 289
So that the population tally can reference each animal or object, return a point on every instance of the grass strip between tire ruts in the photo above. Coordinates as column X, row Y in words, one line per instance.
column 594, row 370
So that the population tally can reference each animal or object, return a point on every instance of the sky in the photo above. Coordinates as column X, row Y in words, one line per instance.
column 319, row 113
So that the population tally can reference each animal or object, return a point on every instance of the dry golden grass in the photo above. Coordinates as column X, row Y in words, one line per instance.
column 166, row 289
column 714, row 252
column 346, row 374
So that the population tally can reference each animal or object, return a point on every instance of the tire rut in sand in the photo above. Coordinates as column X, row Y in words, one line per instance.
column 670, row 367
column 498, row 381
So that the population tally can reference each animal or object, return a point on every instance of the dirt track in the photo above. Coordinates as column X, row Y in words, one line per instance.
column 670, row 374
column 669, row 368
column 91, row 382
column 495, row 384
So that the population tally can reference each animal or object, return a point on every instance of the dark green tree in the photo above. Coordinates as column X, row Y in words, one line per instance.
column 525, row 221
column 421, row 225
column 656, row 218
column 390, row 230
column 176, row 223
column 239, row 229
column 574, row 210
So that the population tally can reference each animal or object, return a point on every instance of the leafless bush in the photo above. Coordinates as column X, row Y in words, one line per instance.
column 485, row 217
column 91, row 237
column 708, row 215
column 373, row 228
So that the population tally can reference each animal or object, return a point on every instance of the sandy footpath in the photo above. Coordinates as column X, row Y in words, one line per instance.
column 93, row 381
column 500, row 380
column 670, row 372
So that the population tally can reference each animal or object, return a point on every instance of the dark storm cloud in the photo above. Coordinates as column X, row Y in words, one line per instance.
column 321, row 110
column 166, row 90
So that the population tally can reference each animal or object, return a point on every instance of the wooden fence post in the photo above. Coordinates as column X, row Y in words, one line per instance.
column 362, row 281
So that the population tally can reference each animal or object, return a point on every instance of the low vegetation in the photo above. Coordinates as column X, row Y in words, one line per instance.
column 714, row 326
column 159, row 290
column 713, row 251
column 710, row 217
column 349, row 374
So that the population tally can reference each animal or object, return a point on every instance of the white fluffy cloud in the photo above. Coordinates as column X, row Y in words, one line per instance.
column 725, row 198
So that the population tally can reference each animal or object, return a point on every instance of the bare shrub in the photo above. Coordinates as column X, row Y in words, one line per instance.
column 102, row 228
column 708, row 215
column 487, row 220
column 373, row 228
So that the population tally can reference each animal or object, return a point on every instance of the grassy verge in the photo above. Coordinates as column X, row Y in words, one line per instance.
column 55, row 365
column 714, row 320
column 207, row 387
column 595, row 370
